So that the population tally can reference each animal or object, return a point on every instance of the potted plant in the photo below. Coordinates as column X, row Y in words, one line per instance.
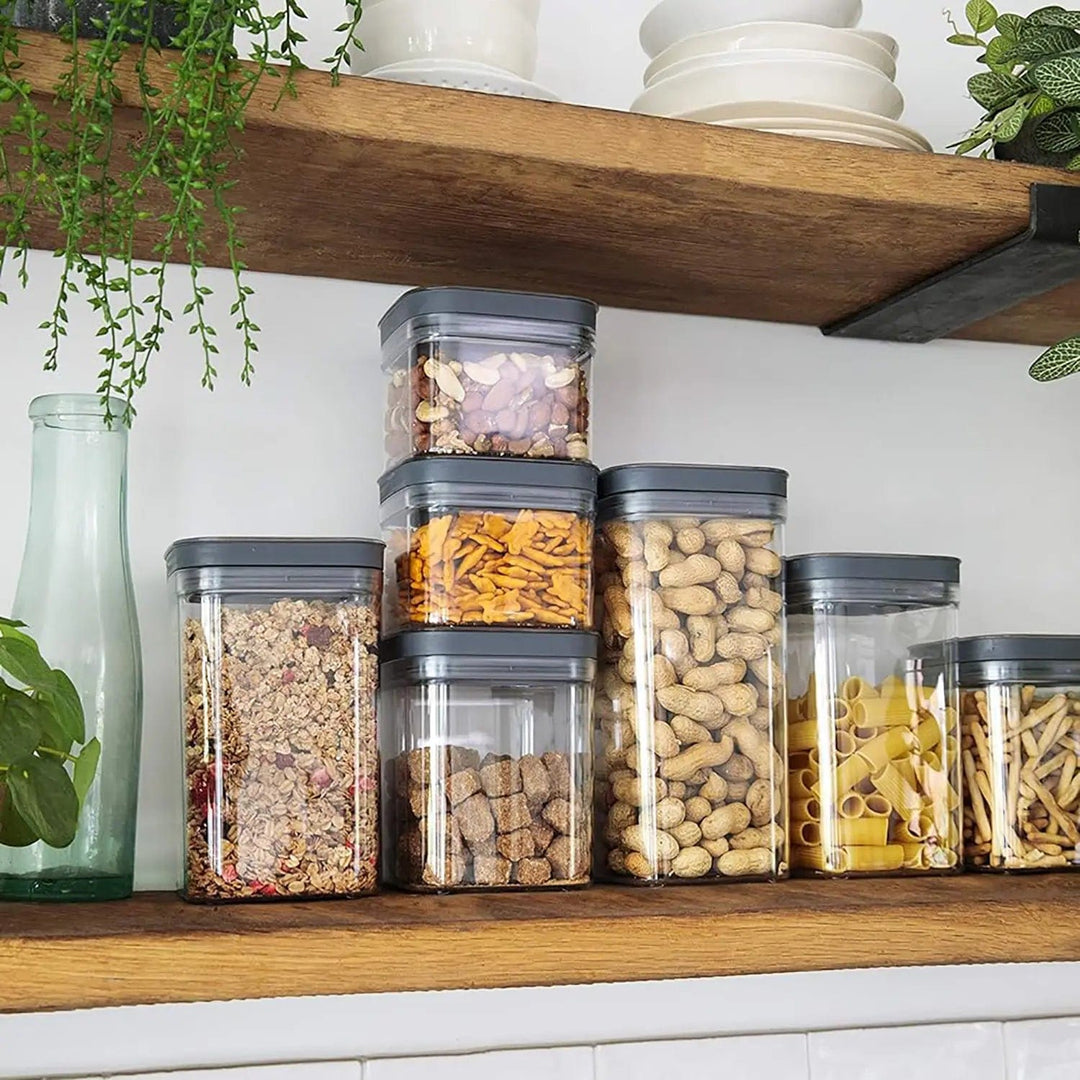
column 1031, row 93
column 63, row 166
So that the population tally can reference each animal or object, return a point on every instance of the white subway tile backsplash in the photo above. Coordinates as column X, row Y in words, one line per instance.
column 763, row 1057
column 311, row 1070
column 566, row 1063
column 1043, row 1050
column 932, row 1052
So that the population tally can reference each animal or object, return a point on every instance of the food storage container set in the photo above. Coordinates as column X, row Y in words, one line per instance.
column 735, row 717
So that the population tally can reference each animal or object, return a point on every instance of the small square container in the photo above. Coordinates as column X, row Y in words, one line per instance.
column 1020, row 716
column 488, row 767
column 483, row 372
column 278, row 683
column 486, row 542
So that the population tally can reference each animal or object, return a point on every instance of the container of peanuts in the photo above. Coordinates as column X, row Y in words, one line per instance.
column 690, row 700
column 1020, row 723
column 487, row 758
column 483, row 372
column 489, row 542
column 873, row 709
column 279, row 674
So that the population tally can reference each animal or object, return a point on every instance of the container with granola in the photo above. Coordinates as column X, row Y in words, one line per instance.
column 489, row 373
column 279, row 674
column 488, row 767
column 485, row 542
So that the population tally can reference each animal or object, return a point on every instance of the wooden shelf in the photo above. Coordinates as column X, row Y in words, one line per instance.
column 155, row 948
column 378, row 181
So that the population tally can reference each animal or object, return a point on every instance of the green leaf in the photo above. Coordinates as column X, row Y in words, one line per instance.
column 1009, row 121
column 14, row 623
column 997, row 54
column 14, row 832
column 1060, row 78
column 86, row 769
column 1059, row 132
column 1058, row 362
column 1073, row 165
column 1055, row 16
column 45, row 798
column 1041, row 106
column 963, row 39
column 981, row 14
column 1050, row 42
column 23, row 661
column 1009, row 25
column 992, row 89
column 66, row 705
column 20, row 731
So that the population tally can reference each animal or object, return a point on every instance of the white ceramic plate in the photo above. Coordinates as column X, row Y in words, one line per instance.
column 796, row 113
column 462, row 75
column 672, row 20
column 858, row 135
column 712, row 60
column 775, row 35
column 854, row 138
column 889, row 44
column 875, row 127
column 823, row 81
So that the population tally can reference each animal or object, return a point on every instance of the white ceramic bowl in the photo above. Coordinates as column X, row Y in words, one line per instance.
column 754, row 37
column 462, row 75
column 823, row 81
column 672, row 20
column 698, row 63
column 889, row 44
column 492, row 32
column 875, row 127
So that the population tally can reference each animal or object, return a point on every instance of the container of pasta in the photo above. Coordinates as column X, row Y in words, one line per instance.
column 873, row 739
column 1020, row 724
column 486, row 745
column 484, row 372
column 689, row 715
column 489, row 542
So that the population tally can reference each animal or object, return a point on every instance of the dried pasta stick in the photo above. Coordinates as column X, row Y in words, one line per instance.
column 864, row 832
column 877, row 806
column 976, row 795
column 855, row 688
column 882, row 712
column 805, row 810
column 807, row 833
column 802, row 784
column 852, row 805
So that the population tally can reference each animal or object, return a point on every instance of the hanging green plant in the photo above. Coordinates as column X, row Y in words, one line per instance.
column 1031, row 94
column 67, row 167
column 39, row 728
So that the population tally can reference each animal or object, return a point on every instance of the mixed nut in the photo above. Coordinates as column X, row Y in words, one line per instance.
column 478, row 401
column 489, row 822
column 690, row 777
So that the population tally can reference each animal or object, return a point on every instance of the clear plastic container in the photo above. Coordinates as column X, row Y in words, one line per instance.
column 873, row 745
column 482, row 372
column 690, row 699
column 481, row 542
column 485, row 742
column 1020, row 718
column 278, row 682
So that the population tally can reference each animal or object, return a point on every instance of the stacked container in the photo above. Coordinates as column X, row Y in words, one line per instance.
column 488, row 510
column 690, row 732
column 873, row 714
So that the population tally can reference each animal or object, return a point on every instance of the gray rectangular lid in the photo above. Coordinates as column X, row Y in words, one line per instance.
column 711, row 479
column 213, row 551
column 501, row 472
column 482, row 642
column 854, row 566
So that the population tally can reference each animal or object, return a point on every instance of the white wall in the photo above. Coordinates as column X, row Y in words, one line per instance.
column 946, row 448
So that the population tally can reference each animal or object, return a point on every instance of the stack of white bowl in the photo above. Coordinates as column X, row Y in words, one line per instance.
column 792, row 67
column 486, row 45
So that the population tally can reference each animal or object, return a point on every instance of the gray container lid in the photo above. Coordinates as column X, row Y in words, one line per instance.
column 494, row 472
column 710, row 479
column 872, row 567
column 496, row 303
column 202, row 552
column 1017, row 647
column 484, row 643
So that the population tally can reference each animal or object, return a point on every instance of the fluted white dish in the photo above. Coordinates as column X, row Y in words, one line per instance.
column 887, row 132
column 890, row 44
column 462, row 75
column 821, row 81
column 672, row 20
column 855, row 138
column 499, row 33
column 699, row 63
column 791, row 114
column 759, row 36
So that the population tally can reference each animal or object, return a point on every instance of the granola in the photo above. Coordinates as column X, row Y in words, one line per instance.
column 281, row 762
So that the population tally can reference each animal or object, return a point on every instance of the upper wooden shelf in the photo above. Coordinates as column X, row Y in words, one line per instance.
column 377, row 181
column 155, row 948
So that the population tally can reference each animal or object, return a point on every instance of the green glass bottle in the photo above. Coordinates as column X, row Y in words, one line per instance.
column 75, row 593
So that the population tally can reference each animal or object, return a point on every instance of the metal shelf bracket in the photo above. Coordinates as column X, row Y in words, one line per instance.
column 1044, row 257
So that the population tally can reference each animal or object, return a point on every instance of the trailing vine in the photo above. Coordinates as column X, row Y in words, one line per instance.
column 173, row 179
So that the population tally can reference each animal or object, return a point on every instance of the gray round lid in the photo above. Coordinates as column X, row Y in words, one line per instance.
column 710, row 479
column 490, row 643
column 1017, row 647
column 494, row 472
column 214, row 551
column 866, row 567
column 496, row 303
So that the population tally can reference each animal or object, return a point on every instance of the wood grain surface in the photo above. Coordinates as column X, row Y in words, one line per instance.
column 154, row 948
column 381, row 181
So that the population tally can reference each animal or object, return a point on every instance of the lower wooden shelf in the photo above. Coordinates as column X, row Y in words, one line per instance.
column 155, row 949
